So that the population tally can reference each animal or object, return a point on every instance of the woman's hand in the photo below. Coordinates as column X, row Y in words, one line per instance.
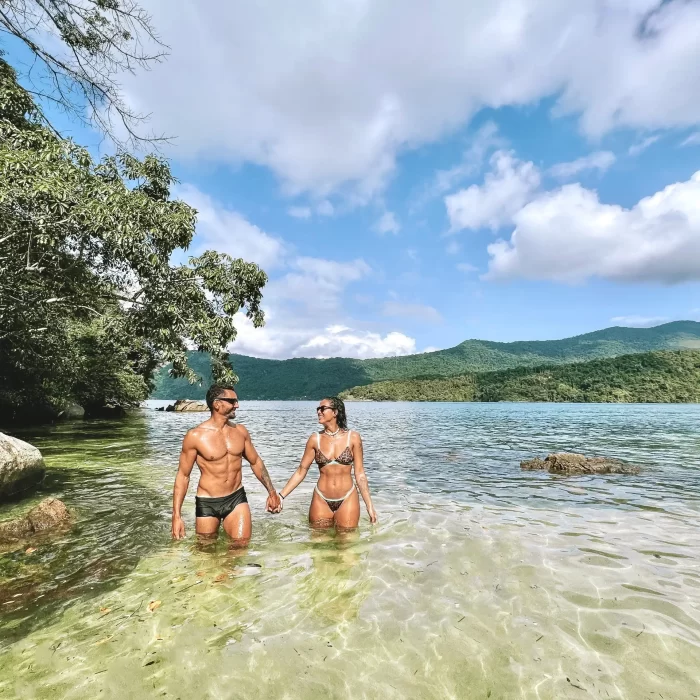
column 372, row 515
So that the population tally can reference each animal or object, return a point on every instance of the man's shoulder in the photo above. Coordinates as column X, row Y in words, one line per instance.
column 239, row 428
column 199, row 430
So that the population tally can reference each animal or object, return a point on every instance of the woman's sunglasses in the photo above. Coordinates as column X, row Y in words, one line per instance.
column 323, row 408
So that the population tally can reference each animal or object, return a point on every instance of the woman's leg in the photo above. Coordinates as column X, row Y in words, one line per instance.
column 320, row 515
column 347, row 516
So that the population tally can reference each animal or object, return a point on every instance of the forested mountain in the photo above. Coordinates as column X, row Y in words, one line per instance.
column 670, row 376
column 305, row 378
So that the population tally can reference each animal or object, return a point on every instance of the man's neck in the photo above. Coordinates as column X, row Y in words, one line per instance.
column 219, row 420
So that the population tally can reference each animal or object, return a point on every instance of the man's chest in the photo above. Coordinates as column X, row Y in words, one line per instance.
column 234, row 442
column 227, row 443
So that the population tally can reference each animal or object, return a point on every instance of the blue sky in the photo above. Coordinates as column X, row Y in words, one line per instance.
column 411, row 175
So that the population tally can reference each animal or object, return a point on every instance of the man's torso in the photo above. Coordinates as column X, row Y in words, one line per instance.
column 219, row 458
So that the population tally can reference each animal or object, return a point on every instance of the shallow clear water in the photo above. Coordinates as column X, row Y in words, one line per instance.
column 480, row 581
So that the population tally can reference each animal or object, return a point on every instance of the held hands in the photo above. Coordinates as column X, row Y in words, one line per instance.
column 274, row 503
column 178, row 529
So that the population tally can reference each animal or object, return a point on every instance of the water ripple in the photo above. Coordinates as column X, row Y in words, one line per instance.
column 479, row 581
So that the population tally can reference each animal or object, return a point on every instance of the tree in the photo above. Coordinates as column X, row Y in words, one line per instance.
column 81, row 46
column 86, row 272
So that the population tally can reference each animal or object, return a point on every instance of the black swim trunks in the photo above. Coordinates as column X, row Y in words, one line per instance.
column 219, row 507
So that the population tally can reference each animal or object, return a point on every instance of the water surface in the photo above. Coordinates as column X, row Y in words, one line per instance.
column 480, row 581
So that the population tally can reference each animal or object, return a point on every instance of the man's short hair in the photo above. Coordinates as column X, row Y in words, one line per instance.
column 216, row 390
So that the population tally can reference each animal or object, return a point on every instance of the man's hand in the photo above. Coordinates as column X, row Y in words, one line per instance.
column 178, row 529
column 274, row 503
column 372, row 516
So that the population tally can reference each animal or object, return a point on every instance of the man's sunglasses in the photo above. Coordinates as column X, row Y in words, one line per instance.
column 323, row 408
column 233, row 402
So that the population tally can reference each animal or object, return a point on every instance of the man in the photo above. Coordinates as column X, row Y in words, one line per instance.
column 218, row 447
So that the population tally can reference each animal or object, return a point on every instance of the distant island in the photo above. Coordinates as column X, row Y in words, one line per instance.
column 306, row 378
column 665, row 376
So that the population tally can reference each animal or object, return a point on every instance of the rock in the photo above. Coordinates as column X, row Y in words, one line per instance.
column 17, row 529
column 187, row 406
column 107, row 412
column 72, row 411
column 170, row 408
column 21, row 466
column 162, row 408
column 50, row 514
column 572, row 463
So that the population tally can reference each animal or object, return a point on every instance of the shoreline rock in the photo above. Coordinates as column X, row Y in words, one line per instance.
column 21, row 466
column 573, row 463
column 188, row 406
column 50, row 514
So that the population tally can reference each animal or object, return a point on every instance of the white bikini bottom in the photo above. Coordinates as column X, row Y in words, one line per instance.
column 334, row 503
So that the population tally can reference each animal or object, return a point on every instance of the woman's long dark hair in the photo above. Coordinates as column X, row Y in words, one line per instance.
column 338, row 405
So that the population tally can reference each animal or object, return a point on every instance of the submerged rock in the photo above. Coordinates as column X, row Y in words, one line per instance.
column 72, row 411
column 187, row 405
column 21, row 466
column 572, row 463
column 50, row 514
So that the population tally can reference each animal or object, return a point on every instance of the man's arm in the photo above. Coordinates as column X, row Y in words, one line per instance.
column 260, row 471
column 188, row 454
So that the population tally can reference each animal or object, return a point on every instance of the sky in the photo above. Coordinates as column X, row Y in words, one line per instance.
column 413, row 174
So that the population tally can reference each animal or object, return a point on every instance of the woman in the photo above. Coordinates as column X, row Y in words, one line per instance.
column 337, row 451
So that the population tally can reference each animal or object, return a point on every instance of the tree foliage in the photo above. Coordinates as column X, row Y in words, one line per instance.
column 81, row 47
column 86, row 251
column 653, row 377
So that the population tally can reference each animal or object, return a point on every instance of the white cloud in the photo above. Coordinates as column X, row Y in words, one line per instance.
column 298, row 306
column 466, row 268
column 325, row 208
column 227, row 231
column 326, row 94
column 637, row 148
column 387, row 224
column 485, row 140
column 315, row 285
column 452, row 248
column 302, row 295
column 568, row 235
column 421, row 312
column 639, row 321
column 299, row 212
column 360, row 345
column 431, row 348
column 509, row 185
column 600, row 160
column 692, row 140
column 322, row 208
column 281, row 340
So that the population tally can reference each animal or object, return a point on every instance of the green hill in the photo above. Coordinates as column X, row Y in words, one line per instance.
column 668, row 376
column 304, row 378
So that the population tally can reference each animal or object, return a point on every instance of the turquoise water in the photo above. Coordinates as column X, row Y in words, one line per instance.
column 480, row 581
